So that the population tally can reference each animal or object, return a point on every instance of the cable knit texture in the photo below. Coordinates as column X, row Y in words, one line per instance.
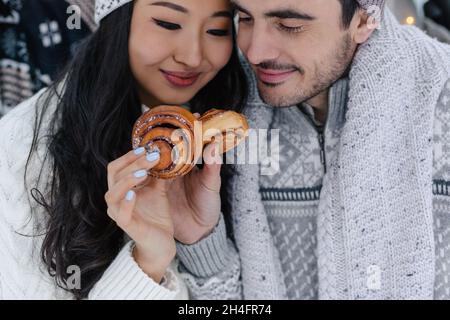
column 376, row 206
column 366, row 4
column 199, row 257
column 22, row 273
column 105, row 7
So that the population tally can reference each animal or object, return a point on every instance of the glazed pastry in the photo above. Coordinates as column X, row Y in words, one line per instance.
column 180, row 138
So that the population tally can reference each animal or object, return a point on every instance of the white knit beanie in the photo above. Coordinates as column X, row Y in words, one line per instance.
column 105, row 7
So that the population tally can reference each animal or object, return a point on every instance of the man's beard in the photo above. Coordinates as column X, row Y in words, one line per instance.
column 323, row 79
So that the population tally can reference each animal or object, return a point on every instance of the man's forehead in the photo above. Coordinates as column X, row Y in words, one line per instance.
column 313, row 7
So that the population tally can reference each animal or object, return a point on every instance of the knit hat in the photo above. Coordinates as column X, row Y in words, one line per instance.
column 366, row 4
column 105, row 7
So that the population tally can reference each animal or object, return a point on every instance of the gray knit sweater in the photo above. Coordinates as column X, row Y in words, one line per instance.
column 291, row 200
column 213, row 268
column 291, row 197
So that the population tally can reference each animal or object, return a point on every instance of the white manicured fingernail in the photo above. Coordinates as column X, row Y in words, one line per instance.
column 139, row 151
column 140, row 174
column 130, row 195
column 153, row 156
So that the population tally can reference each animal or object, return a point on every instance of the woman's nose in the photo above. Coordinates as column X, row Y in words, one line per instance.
column 190, row 53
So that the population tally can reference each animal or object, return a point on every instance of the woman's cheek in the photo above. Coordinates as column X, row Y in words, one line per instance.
column 149, row 48
column 220, row 54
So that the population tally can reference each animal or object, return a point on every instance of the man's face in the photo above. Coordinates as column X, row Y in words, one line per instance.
column 297, row 48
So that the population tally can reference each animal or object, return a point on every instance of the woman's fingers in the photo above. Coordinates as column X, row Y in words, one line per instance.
column 210, row 175
column 122, row 213
column 212, row 155
column 121, row 199
column 120, row 189
column 146, row 162
column 119, row 164
column 125, row 216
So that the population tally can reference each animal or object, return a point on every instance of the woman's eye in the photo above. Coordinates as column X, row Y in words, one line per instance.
column 167, row 25
column 219, row 32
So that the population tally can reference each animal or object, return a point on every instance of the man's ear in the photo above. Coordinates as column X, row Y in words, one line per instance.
column 363, row 25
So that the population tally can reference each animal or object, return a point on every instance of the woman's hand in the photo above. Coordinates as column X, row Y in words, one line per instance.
column 159, row 211
column 196, row 198
column 195, row 203
column 143, row 213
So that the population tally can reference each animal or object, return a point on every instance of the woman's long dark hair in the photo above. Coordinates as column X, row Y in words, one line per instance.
column 97, row 105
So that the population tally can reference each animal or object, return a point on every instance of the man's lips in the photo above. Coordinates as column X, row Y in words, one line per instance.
column 181, row 79
column 274, row 76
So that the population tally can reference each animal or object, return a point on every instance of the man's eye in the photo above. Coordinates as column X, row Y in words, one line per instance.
column 167, row 25
column 219, row 32
column 285, row 28
column 244, row 19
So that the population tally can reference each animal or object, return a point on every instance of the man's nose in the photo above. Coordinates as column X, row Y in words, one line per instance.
column 262, row 47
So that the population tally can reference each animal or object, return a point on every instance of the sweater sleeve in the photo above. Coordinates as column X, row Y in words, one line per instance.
column 125, row 280
column 211, row 268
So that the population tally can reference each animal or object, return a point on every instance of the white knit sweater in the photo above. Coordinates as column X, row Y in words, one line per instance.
column 22, row 274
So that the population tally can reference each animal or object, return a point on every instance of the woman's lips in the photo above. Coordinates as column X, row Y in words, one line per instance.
column 181, row 79
column 274, row 77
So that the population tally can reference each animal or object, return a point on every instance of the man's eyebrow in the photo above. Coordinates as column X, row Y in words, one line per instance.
column 289, row 14
column 237, row 7
column 223, row 14
column 170, row 5
column 281, row 13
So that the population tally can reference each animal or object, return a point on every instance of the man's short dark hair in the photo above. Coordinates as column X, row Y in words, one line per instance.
column 349, row 9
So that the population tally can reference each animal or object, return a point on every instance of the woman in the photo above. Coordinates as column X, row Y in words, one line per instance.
column 68, row 202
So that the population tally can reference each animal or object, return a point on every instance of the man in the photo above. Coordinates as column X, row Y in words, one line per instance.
column 360, row 208
column 36, row 42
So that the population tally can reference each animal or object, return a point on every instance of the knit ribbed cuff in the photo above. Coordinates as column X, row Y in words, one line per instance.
column 125, row 280
column 209, row 256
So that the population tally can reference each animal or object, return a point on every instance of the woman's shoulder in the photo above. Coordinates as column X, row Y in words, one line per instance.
column 16, row 137
column 17, row 126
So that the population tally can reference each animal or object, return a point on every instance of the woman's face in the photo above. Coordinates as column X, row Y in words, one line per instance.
column 176, row 47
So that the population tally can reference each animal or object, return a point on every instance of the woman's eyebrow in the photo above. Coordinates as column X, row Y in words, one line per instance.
column 170, row 5
column 176, row 7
